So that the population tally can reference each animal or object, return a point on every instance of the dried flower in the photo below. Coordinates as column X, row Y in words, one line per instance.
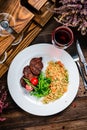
column 72, row 13
column 3, row 103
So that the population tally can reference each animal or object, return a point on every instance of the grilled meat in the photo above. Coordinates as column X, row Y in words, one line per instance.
column 22, row 82
column 36, row 65
column 27, row 73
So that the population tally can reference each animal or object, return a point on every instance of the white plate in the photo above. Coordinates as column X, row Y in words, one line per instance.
column 30, row 103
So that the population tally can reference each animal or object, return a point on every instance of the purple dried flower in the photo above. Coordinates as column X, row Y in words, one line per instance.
column 3, row 103
column 73, row 13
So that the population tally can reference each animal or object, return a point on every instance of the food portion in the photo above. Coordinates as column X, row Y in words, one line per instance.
column 50, row 85
column 34, row 80
column 28, row 73
column 59, row 80
column 32, row 70
column 43, row 87
column 36, row 65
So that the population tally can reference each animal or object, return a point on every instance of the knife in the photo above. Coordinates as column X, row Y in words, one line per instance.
column 76, row 60
column 82, row 58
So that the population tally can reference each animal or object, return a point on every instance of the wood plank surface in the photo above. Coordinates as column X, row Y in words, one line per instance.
column 44, row 16
column 20, row 14
column 31, row 32
column 54, row 1
column 5, row 42
column 74, row 117
column 37, row 4
column 23, row 17
column 69, row 118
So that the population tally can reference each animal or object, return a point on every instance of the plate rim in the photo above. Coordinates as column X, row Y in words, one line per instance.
column 35, row 113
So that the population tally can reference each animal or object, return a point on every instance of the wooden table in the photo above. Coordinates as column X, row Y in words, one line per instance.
column 72, row 118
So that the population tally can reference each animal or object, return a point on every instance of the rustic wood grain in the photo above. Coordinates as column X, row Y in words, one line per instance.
column 37, row 4
column 54, row 1
column 44, row 16
column 75, row 113
column 23, row 17
column 5, row 42
column 71, row 125
column 20, row 14
column 73, row 117
column 29, row 36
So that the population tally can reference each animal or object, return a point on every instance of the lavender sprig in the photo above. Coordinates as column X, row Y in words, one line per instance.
column 73, row 13
column 3, row 103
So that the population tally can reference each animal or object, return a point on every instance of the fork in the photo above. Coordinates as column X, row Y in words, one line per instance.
column 76, row 59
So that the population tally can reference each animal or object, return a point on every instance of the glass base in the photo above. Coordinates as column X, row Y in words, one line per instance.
column 6, row 21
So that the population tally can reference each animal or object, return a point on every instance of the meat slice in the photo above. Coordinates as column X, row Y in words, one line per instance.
column 22, row 82
column 35, row 60
column 36, row 65
column 35, row 70
column 27, row 73
column 32, row 70
column 39, row 66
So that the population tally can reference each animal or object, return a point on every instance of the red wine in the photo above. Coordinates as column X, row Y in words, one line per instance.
column 62, row 37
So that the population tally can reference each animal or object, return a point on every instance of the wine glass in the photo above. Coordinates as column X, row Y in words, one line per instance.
column 62, row 37
column 7, row 24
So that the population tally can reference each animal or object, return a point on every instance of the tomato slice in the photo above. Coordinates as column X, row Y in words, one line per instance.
column 34, row 81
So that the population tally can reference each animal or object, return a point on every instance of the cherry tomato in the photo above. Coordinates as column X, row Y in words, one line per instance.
column 29, row 88
column 34, row 81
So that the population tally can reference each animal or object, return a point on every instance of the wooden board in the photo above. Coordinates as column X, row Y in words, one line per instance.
column 4, row 43
column 37, row 4
column 27, row 23
column 31, row 32
column 54, row 1
column 44, row 16
column 21, row 16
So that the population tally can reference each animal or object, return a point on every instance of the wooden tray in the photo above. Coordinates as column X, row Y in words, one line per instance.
column 27, row 22
column 37, row 4
column 20, row 14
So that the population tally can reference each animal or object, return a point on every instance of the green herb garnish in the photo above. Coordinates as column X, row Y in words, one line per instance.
column 43, row 86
